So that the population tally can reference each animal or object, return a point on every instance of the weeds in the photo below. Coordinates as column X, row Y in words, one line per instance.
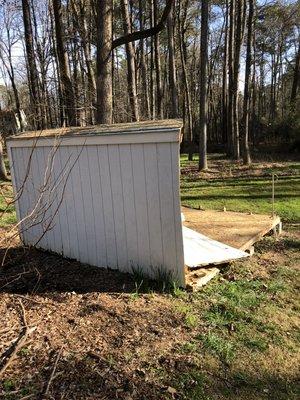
column 222, row 348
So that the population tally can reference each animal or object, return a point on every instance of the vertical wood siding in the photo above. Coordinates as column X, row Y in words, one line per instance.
column 114, row 206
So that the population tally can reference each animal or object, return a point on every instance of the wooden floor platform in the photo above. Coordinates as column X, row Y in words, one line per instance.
column 239, row 230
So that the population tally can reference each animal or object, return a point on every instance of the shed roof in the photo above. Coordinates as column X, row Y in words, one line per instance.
column 94, row 130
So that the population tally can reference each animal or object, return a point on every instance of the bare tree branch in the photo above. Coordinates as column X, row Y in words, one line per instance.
column 132, row 37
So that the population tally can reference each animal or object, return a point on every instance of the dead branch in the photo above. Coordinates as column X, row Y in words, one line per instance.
column 8, row 356
column 53, row 375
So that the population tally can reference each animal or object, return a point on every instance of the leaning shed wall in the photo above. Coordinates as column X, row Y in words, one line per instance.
column 106, row 195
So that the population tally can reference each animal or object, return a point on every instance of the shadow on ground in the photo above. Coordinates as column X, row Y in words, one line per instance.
column 28, row 270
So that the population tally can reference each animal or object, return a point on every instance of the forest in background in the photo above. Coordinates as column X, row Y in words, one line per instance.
column 230, row 69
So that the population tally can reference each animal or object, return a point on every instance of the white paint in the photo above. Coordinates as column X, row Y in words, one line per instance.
column 110, row 200
column 200, row 250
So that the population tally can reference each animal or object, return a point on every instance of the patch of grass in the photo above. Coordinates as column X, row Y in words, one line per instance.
column 223, row 348
column 192, row 386
column 244, row 194
column 188, row 347
column 24, row 351
column 233, row 304
column 256, row 343
column 191, row 320
column 8, row 385
column 7, row 212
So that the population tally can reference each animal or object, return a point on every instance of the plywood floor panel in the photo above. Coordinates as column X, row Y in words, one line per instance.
column 239, row 230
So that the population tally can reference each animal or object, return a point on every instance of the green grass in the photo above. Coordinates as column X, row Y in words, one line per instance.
column 244, row 193
column 246, row 328
column 221, row 347
column 7, row 213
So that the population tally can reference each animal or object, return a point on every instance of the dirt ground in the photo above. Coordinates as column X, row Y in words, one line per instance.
column 99, row 335
column 89, row 319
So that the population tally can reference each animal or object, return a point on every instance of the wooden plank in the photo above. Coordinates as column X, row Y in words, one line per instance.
column 247, row 246
column 36, row 186
column 49, row 223
column 88, row 209
column 144, row 127
column 141, row 207
column 79, row 208
column 118, row 206
column 200, row 250
column 25, row 164
column 100, row 140
column 41, row 166
column 175, row 165
column 111, row 246
column 167, row 206
column 64, row 165
column 129, row 206
column 97, row 202
column 68, row 161
column 56, row 196
column 153, row 200
column 239, row 230
column 197, row 278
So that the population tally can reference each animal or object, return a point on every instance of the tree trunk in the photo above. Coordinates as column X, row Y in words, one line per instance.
column 104, row 61
column 145, row 91
column 157, row 67
column 152, row 67
column 296, row 79
column 3, row 173
column 246, row 102
column 203, row 86
column 65, row 77
column 33, row 73
column 230, row 116
column 172, row 66
column 80, row 19
column 236, row 70
column 225, row 81
column 187, row 97
column 131, row 72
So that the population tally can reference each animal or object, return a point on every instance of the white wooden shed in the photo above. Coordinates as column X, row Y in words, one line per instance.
column 107, row 196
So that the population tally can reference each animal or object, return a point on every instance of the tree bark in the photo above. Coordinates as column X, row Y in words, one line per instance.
column 143, row 65
column 203, row 86
column 236, row 69
column 157, row 67
column 246, row 101
column 225, row 79
column 3, row 173
column 66, row 83
column 104, row 62
column 187, row 91
column 296, row 79
column 131, row 72
column 172, row 66
column 33, row 73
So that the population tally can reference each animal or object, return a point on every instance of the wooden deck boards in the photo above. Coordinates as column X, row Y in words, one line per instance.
column 239, row 230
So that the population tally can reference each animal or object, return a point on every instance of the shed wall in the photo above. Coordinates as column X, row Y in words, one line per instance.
column 110, row 205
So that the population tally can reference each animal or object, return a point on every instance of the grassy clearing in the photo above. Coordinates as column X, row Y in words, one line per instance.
column 242, row 189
